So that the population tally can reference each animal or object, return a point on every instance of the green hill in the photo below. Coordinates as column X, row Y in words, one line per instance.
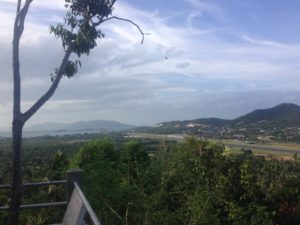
column 283, row 115
column 280, row 117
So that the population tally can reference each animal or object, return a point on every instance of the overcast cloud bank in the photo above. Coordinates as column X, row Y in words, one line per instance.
column 199, row 61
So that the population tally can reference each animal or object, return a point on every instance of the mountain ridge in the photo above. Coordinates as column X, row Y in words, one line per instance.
column 280, row 116
column 107, row 125
column 284, row 114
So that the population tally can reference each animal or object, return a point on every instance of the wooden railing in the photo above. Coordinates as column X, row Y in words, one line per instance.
column 78, row 206
column 39, row 205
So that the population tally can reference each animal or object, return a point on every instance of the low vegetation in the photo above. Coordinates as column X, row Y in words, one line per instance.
column 193, row 182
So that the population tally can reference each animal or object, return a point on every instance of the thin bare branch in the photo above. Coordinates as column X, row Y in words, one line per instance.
column 20, row 19
column 111, row 209
column 126, row 20
column 35, row 107
column 19, row 6
column 22, row 15
column 20, row 10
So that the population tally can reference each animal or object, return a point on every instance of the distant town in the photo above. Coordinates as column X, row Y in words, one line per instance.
column 278, row 124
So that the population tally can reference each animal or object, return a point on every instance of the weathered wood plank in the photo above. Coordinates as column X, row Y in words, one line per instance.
column 40, row 205
column 76, row 210
column 90, row 210
column 37, row 184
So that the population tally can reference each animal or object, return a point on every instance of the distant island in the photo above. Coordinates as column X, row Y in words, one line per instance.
column 105, row 125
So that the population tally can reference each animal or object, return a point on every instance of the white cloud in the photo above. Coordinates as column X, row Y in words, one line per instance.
column 205, row 6
column 182, row 65
column 49, row 4
column 263, row 42
column 142, row 84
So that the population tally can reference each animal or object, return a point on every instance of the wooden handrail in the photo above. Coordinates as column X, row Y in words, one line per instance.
column 37, row 184
column 40, row 205
column 87, row 205
column 74, row 183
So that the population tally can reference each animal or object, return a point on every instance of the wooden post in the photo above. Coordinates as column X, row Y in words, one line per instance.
column 74, row 175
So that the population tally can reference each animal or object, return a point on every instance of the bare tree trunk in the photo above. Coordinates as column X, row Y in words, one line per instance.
column 17, row 126
column 16, row 191
column 18, row 122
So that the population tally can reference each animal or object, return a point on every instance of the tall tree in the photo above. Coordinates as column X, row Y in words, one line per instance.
column 78, row 35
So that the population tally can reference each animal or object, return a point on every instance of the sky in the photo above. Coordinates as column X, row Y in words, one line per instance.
column 203, row 58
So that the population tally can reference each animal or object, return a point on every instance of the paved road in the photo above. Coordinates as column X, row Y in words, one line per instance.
column 265, row 148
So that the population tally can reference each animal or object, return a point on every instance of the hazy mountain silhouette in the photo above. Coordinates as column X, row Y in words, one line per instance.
column 283, row 115
column 107, row 125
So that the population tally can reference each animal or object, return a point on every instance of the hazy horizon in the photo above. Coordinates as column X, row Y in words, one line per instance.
column 29, row 127
column 203, row 59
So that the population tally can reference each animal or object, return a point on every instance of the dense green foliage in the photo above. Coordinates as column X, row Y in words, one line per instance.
column 47, row 158
column 195, row 182
column 79, row 33
column 192, row 183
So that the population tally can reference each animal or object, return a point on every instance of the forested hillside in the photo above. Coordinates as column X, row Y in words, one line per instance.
column 280, row 123
column 195, row 182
